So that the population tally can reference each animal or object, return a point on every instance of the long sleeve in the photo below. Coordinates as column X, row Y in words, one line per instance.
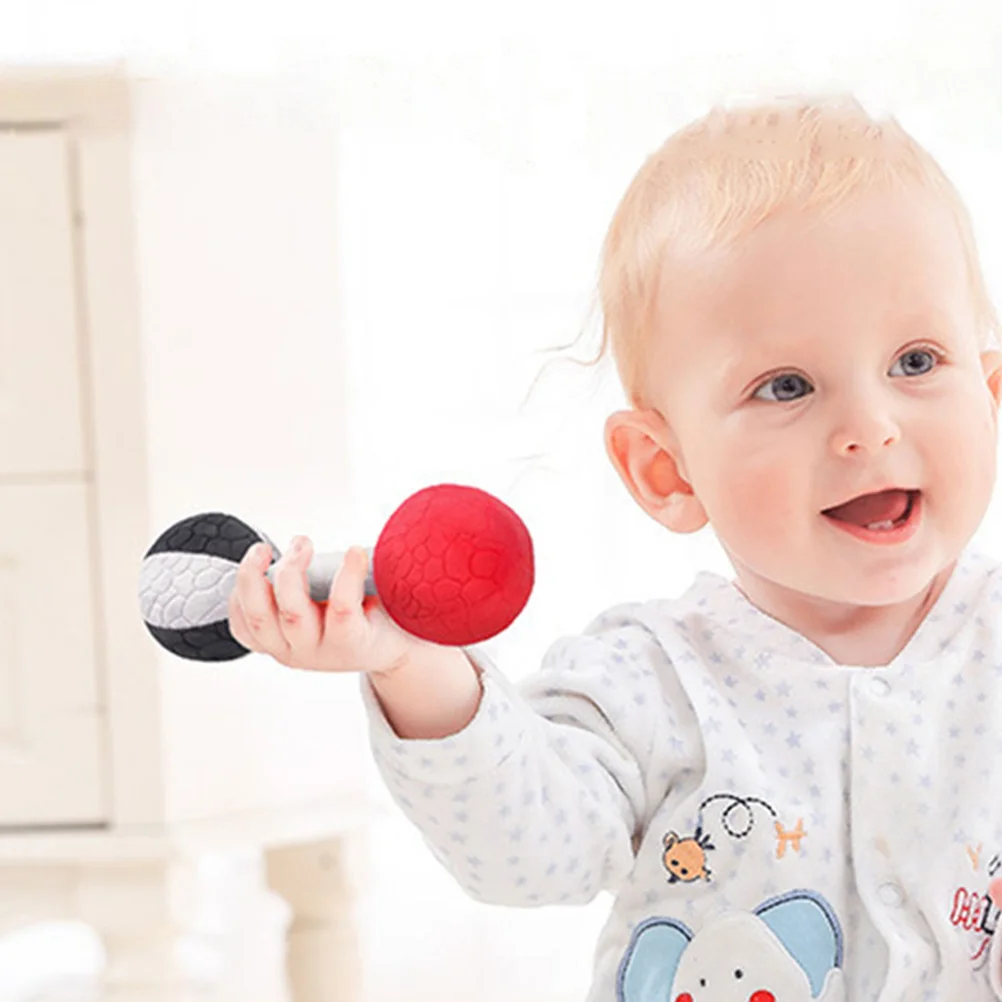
column 541, row 798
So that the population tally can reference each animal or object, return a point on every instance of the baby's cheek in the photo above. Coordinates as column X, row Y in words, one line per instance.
column 755, row 501
column 965, row 452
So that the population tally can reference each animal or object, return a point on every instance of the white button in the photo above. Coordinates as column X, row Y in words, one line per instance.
column 880, row 686
column 891, row 895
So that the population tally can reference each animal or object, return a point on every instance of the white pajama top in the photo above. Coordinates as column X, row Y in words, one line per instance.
column 773, row 826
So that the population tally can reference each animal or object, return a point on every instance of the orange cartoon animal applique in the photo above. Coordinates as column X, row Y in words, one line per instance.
column 685, row 858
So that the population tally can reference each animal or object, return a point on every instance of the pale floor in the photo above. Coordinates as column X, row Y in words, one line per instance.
column 425, row 940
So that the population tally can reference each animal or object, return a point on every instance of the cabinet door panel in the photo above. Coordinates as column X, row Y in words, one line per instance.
column 41, row 422
column 51, row 719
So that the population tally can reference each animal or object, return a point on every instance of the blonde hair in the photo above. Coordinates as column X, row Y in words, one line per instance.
column 716, row 179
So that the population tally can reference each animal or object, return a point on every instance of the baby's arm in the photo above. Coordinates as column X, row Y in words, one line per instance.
column 539, row 798
column 434, row 693
column 528, row 795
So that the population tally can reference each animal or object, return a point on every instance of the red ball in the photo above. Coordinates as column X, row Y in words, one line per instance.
column 453, row 565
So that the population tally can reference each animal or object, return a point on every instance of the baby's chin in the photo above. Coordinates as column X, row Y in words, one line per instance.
column 853, row 581
column 876, row 593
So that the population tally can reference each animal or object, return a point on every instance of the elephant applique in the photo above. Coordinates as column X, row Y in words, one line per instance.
column 788, row 950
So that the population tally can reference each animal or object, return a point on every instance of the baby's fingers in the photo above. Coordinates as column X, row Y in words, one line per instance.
column 299, row 618
column 252, row 605
column 239, row 629
column 344, row 617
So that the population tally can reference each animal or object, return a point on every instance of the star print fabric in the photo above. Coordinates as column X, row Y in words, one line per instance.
column 694, row 756
column 564, row 785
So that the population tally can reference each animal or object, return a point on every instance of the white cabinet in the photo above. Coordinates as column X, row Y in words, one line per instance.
column 120, row 764
column 51, row 721
column 52, row 764
column 41, row 413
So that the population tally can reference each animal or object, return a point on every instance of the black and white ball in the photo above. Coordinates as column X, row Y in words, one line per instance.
column 185, row 583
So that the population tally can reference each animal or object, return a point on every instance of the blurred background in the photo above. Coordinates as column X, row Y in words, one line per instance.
column 360, row 231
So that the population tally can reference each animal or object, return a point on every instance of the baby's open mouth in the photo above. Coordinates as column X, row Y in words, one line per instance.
column 881, row 510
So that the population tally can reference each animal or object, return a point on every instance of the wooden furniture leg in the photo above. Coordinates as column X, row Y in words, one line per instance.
column 318, row 881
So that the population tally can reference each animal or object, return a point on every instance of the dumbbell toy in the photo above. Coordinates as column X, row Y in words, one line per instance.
column 453, row 565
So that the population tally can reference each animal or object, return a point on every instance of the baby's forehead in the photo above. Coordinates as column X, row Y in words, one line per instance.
column 721, row 334
column 900, row 255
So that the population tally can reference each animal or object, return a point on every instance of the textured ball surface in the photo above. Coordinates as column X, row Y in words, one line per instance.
column 185, row 583
column 453, row 565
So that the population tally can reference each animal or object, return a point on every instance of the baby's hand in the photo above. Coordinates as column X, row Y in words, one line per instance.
column 350, row 632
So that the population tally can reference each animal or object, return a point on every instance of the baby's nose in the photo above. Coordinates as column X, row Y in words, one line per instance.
column 864, row 431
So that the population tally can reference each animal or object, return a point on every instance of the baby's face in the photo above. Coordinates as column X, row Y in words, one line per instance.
column 825, row 360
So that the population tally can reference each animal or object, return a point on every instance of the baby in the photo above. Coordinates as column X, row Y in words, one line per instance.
column 786, row 780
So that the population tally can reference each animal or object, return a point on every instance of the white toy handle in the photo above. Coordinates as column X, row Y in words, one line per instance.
column 321, row 571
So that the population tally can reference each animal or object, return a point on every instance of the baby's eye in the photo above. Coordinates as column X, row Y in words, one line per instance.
column 784, row 384
column 914, row 357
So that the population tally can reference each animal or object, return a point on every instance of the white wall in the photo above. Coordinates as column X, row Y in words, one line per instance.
column 236, row 227
column 474, row 155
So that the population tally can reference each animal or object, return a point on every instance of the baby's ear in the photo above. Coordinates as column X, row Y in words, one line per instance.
column 640, row 446
column 991, row 365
